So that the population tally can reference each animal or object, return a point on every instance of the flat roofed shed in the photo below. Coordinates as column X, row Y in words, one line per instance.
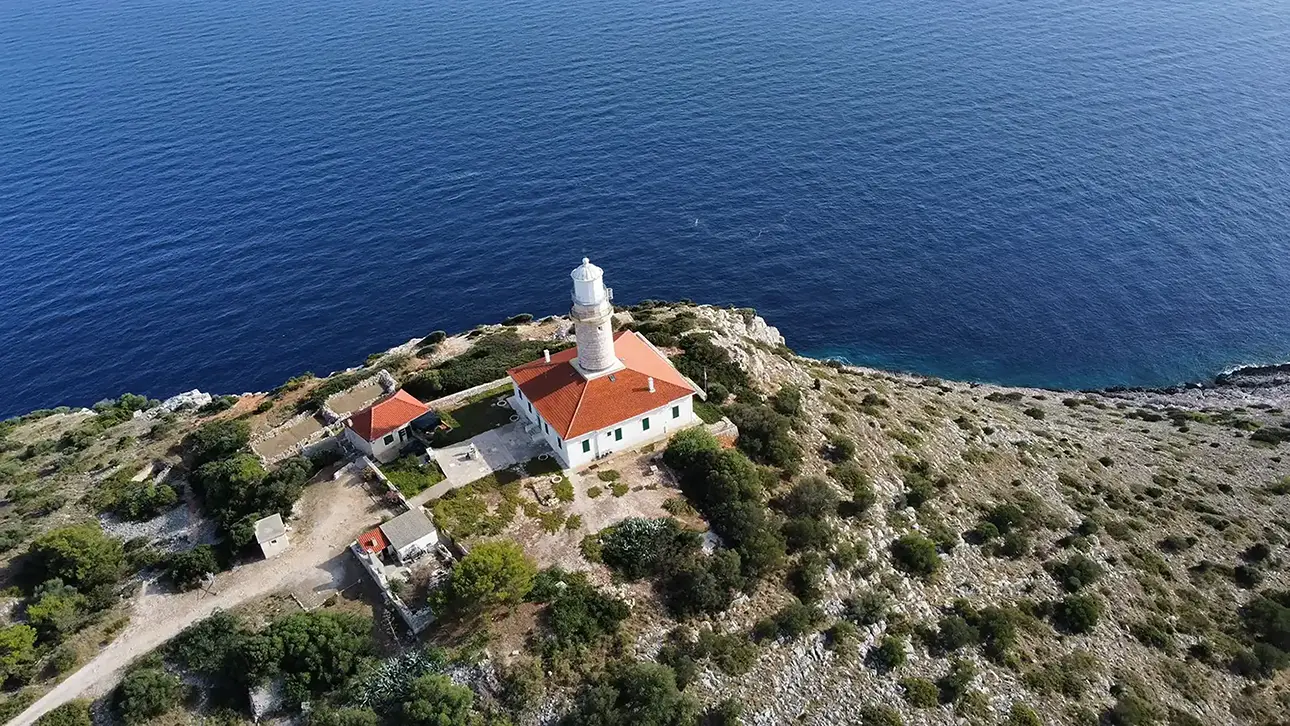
column 407, row 528
column 269, row 528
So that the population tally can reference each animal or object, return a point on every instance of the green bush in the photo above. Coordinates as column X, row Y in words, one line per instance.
column 717, row 394
column 72, row 713
column 954, row 685
column 187, row 569
column 1075, row 573
column 888, row 655
column 1022, row 715
column 764, row 436
column 839, row 448
column 916, row 555
column 797, row 619
column 80, row 555
column 920, row 692
column 787, row 401
column 641, row 694
column 954, row 632
column 853, row 479
column 493, row 573
column 728, row 489
column 1077, row 613
column 880, row 716
column 17, row 650
column 410, row 476
column 55, row 610
column 132, row 500
column 435, row 700
column 216, row 440
column 637, row 547
column 608, row 475
column 145, row 694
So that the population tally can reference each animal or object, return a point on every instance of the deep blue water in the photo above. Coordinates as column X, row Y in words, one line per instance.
column 219, row 194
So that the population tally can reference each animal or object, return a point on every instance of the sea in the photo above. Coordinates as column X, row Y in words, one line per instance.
column 221, row 194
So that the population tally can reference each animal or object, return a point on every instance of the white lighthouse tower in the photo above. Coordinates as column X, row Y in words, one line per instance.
column 592, row 314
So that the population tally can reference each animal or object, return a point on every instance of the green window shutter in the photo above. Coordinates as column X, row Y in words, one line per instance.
column 586, row 446
column 618, row 434
column 676, row 412
column 645, row 424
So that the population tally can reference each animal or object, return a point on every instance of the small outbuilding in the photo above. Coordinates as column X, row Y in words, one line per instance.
column 381, row 430
column 409, row 535
column 271, row 534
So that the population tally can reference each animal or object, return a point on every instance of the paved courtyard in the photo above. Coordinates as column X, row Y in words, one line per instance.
column 497, row 449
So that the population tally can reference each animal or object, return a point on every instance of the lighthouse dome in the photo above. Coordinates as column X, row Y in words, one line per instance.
column 586, row 272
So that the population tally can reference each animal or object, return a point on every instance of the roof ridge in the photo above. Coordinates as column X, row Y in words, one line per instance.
column 582, row 396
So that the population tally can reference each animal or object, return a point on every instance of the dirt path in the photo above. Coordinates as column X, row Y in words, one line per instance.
column 334, row 512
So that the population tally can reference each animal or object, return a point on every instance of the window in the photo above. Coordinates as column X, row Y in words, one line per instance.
column 618, row 434
column 530, row 408
column 389, row 439
column 546, row 428
column 645, row 424
column 676, row 412
column 586, row 446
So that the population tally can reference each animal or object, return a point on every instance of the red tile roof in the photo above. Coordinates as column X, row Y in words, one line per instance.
column 373, row 541
column 575, row 406
column 386, row 416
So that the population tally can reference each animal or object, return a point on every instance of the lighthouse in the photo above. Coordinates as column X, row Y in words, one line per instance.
column 592, row 315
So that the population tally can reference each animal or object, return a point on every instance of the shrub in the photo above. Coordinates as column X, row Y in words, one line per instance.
column 293, row 646
column 727, row 712
column 412, row 477
column 1075, row 573
column 641, row 694
column 618, row 489
column 434, row 700
column 1077, row 613
column 132, row 500
column 804, row 578
column 764, row 436
column 811, row 497
column 888, row 655
column 637, row 547
column 727, row 488
column 880, row 716
column 787, row 401
column 955, row 683
column 72, row 713
column 853, row 479
column 867, row 609
column 717, row 394
column 1022, row 715
column 840, row 448
column 608, row 475
column 145, row 694
column 1035, row 413
column 802, row 533
column 216, row 440
column 920, row 692
column 797, row 619
column 702, row 585
column 916, row 555
column 954, row 632
column 841, row 636
column 55, row 610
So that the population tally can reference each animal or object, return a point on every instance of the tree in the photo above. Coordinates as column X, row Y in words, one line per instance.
column 145, row 694
column 17, row 649
column 728, row 712
column 1075, row 573
column 187, row 569
column 639, row 694
column 80, row 555
column 494, row 573
column 436, row 701
column 764, row 436
column 72, row 713
column 56, row 610
column 205, row 647
column 889, row 655
column 915, row 554
column 217, row 440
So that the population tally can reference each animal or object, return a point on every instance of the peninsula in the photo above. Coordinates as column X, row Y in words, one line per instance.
column 648, row 514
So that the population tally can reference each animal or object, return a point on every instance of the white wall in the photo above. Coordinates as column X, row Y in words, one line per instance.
column 379, row 450
column 425, row 543
column 274, row 547
column 602, row 442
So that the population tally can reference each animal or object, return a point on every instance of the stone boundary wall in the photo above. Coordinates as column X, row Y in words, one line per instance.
column 450, row 399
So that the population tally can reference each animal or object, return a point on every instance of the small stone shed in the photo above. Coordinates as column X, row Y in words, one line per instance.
column 271, row 533
column 409, row 534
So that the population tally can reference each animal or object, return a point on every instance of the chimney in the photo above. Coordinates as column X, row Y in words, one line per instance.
column 651, row 384
column 546, row 355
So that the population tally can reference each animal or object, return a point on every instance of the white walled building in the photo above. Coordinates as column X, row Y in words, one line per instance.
column 610, row 392
column 381, row 430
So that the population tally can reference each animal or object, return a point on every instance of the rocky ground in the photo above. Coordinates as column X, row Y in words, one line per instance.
column 1115, row 458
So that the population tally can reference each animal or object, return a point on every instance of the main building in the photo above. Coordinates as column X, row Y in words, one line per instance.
column 610, row 392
